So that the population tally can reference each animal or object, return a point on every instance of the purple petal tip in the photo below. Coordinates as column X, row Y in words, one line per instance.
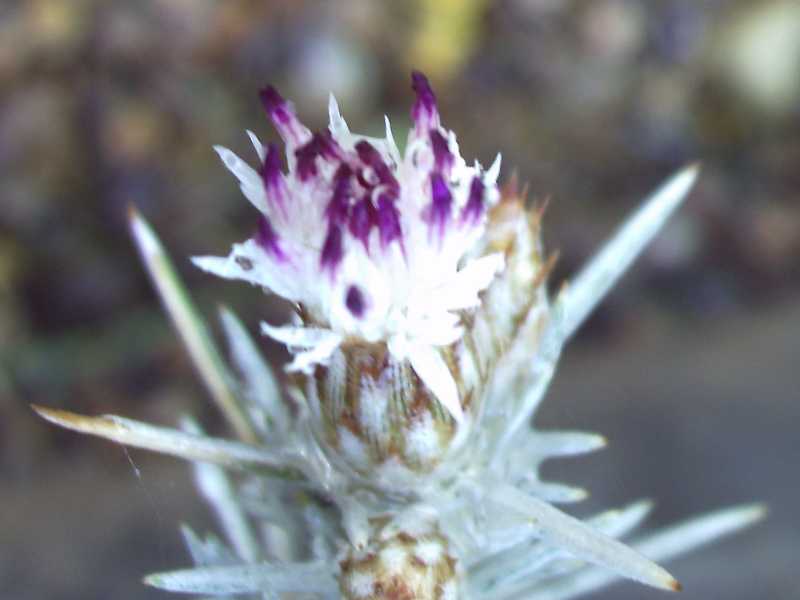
column 271, row 99
column 422, row 87
column 271, row 169
column 474, row 207
column 279, row 111
column 272, row 175
column 441, row 202
column 424, row 112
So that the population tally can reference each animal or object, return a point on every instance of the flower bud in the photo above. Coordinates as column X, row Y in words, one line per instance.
column 414, row 563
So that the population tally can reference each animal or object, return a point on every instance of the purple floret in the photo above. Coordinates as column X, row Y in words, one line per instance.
column 370, row 156
column 277, row 108
column 474, row 208
column 321, row 144
column 338, row 208
column 424, row 111
column 443, row 159
column 272, row 175
column 388, row 218
column 441, row 202
column 361, row 221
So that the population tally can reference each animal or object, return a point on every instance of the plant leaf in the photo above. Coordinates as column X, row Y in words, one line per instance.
column 595, row 279
column 128, row 432
column 191, row 328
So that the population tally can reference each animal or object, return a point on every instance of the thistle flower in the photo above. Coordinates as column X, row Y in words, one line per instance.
column 422, row 344
column 381, row 252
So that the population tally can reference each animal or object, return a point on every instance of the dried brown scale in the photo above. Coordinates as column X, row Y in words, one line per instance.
column 504, row 234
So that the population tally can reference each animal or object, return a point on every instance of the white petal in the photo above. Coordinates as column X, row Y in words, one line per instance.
column 260, row 149
column 225, row 267
column 338, row 126
column 308, row 578
column 278, row 277
column 429, row 365
column 438, row 335
column 318, row 355
column 390, row 143
column 494, row 171
column 263, row 272
column 437, row 329
column 299, row 337
column 461, row 291
column 596, row 278
column 250, row 180
column 319, row 344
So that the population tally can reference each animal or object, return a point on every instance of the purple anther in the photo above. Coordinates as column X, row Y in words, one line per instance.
column 370, row 156
column 321, row 144
column 354, row 300
column 338, row 208
column 272, row 175
column 361, row 220
column 388, row 218
column 424, row 112
column 441, row 202
column 442, row 156
column 332, row 251
column 474, row 208
column 267, row 239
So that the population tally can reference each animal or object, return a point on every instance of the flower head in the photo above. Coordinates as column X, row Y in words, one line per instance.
column 385, row 255
column 371, row 243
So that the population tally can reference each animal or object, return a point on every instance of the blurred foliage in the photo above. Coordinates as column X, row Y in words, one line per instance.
column 445, row 35
column 108, row 102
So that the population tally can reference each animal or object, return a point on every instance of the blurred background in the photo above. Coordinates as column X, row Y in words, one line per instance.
column 689, row 368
